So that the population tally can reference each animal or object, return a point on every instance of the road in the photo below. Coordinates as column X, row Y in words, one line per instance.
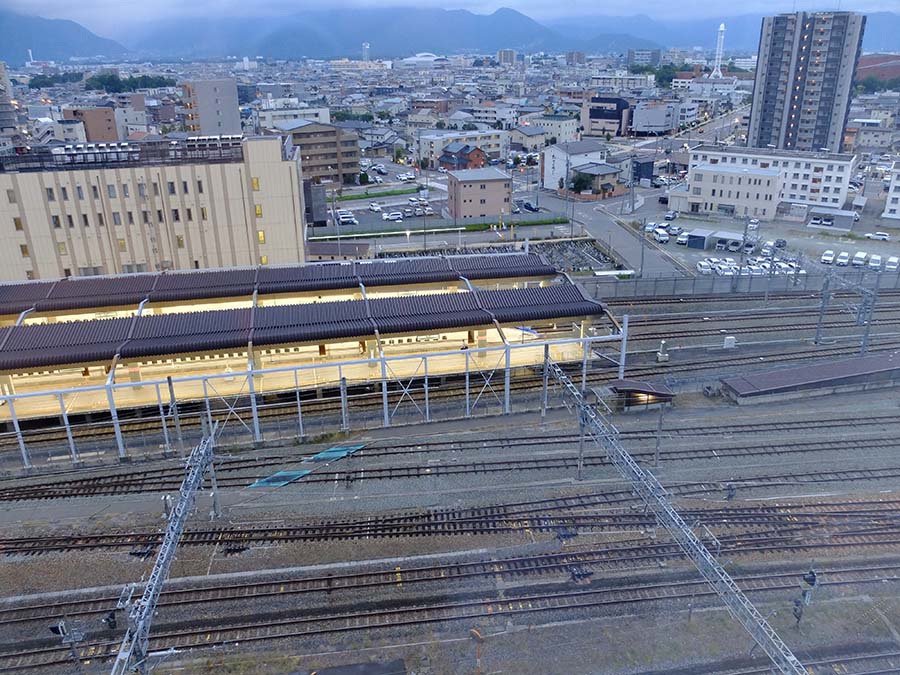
column 598, row 222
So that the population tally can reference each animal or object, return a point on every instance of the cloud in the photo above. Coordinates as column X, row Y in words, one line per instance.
column 112, row 17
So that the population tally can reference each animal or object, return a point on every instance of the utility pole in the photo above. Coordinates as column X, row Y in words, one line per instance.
column 643, row 244
column 659, row 425
column 826, row 297
column 734, row 279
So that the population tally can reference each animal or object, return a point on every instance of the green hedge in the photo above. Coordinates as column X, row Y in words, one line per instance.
column 481, row 227
column 376, row 195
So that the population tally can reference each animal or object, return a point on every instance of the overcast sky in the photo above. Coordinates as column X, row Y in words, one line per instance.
column 108, row 17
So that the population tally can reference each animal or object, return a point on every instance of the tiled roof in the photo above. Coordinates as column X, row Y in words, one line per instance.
column 130, row 289
column 77, row 342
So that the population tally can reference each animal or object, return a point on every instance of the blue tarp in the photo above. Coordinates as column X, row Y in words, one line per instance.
column 281, row 478
column 337, row 452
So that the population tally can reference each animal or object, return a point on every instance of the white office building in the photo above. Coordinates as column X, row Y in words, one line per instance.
column 892, row 203
column 813, row 178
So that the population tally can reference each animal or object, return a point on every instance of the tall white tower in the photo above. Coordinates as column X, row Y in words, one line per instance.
column 365, row 51
column 720, row 52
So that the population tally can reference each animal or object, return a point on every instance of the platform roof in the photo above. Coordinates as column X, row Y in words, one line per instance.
column 75, row 293
column 804, row 377
column 65, row 343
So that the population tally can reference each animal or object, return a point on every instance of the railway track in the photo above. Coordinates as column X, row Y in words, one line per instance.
column 362, row 469
column 556, row 515
column 219, row 632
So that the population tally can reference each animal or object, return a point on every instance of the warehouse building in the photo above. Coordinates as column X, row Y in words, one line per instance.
column 112, row 208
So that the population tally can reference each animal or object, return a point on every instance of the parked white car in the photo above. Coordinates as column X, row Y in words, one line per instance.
column 375, row 207
column 396, row 216
column 704, row 268
column 843, row 259
column 827, row 258
column 879, row 236
column 892, row 264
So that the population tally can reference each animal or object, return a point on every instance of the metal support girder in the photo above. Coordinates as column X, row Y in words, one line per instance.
column 622, row 347
column 73, row 451
column 162, row 419
column 120, row 441
column 345, row 412
column 133, row 650
column 26, row 458
column 645, row 484
column 546, row 382
column 386, row 410
column 257, row 435
column 506, row 392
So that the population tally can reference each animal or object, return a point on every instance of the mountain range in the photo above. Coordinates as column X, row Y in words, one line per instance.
column 391, row 32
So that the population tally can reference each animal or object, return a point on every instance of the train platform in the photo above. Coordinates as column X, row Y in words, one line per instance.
column 816, row 379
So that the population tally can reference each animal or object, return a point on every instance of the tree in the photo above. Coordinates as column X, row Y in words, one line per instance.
column 363, row 178
column 498, row 124
column 517, row 160
column 40, row 81
column 582, row 182
column 383, row 115
column 468, row 126
column 608, row 137
column 398, row 153
column 552, row 140
column 441, row 124
column 113, row 84
column 562, row 183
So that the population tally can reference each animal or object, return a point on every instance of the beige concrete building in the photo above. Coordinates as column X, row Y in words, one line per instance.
column 328, row 153
column 430, row 145
column 99, row 123
column 729, row 190
column 478, row 194
column 211, row 107
column 192, row 204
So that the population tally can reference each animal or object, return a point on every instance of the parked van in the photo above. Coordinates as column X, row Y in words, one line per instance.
column 892, row 264
column 661, row 236
column 875, row 262
column 843, row 259
column 859, row 259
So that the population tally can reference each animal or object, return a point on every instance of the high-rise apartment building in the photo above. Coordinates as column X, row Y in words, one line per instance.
column 507, row 57
column 211, row 107
column 99, row 123
column 804, row 79
column 7, row 112
column 148, row 206
column 328, row 152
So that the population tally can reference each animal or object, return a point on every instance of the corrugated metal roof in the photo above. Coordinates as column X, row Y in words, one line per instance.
column 130, row 289
column 786, row 379
column 38, row 345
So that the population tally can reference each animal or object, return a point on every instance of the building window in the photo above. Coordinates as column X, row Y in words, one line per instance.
column 50, row 196
column 100, row 219
column 11, row 196
column 254, row 182
column 23, row 249
column 79, row 191
column 261, row 236
column 160, row 218
column 117, row 218
column 188, row 215
column 17, row 224
column 263, row 260
column 176, row 217
column 111, row 191
column 483, row 201
column 61, row 248
column 171, row 187
column 200, row 186
column 130, row 216
column 259, row 210
column 184, row 186
column 125, row 189
column 67, row 272
column 156, row 189
column 145, row 216
column 122, row 245
column 84, row 220
column 65, row 193
column 95, row 191
column 55, row 221
column 142, row 190
column 179, row 241
column 202, row 213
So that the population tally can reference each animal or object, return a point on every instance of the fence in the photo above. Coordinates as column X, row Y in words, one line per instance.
column 607, row 288
column 162, row 418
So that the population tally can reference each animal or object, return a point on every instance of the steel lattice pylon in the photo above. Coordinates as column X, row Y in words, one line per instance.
column 133, row 651
column 654, row 496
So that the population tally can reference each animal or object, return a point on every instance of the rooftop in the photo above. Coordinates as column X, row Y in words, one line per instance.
column 579, row 147
column 596, row 169
column 190, row 150
column 130, row 289
column 738, row 169
column 134, row 338
column 487, row 173
column 773, row 152
column 531, row 130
